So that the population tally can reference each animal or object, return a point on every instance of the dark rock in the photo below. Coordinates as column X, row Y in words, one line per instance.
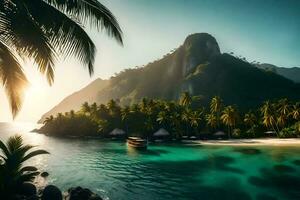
column 51, row 192
column 16, row 197
column 23, row 197
column 95, row 198
column 80, row 193
column 44, row 174
column 34, row 197
column 27, row 189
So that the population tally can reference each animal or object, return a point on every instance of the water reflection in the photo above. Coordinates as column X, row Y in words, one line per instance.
column 168, row 172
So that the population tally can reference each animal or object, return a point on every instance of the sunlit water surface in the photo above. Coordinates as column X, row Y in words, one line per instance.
column 173, row 171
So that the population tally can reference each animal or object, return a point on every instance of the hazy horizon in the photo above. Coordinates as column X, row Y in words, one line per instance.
column 266, row 32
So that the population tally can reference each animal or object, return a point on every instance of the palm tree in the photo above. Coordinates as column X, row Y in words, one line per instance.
column 94, row 110
column 185, row 99
column 295, row 111
column 195, row 118
column 162, row 118
column 216, row 107
column 283, row 112
column 67, row 114
column 72, row 114
column 85, row 108
column 175, row 124
column 125, row 114
column 229, row 118
column 212, row 120
column 144, row 104
column 43, row 29
column 185, row 117
column 48, row 119
column 112, row 105
column 269, row 117
column 12, row 172
column 250, row 119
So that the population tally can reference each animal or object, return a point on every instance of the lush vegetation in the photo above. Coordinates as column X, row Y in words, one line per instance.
column 183, row 118
column 43, row 29
column 195, row 68
column 13, row 173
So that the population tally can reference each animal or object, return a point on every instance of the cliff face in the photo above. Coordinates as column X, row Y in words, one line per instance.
column 198, row 48
column 196, row 66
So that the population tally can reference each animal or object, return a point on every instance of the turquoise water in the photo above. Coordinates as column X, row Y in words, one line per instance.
column 173, row 171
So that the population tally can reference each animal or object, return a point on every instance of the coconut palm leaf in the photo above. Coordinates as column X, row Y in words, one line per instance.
column 28, row 168
column 65, row 33
column 12, row 77
column 91, row 11
column 34, row 153
column 43, row 29
column 4, row 149
column 28, row 38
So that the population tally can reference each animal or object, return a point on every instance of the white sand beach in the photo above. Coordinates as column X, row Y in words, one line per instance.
column 249, row 142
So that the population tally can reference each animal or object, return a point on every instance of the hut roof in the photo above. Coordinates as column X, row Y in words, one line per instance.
column 270, row 132
column 117, row 131
column 161, row 132
column 219, row 133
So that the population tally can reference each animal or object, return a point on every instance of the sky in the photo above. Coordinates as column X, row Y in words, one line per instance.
column 267, row 31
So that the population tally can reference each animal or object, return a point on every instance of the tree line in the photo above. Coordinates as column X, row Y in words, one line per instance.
column 180, row 118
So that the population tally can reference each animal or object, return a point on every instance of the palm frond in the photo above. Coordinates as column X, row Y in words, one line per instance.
column 93, row 12
column 27, row 37
column 28, row 168
column 66, row 35
column 12, row 77
column 34, row 153
column 4, row 150
column 14, row 143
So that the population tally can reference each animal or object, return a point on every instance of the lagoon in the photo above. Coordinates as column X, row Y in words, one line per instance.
column 166, row 171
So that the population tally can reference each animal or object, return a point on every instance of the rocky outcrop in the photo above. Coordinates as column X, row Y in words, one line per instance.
column 198, row 48
column 30, row 191
column 44, row 174
column 51, row 192
column 79, row 193
column 27, row 189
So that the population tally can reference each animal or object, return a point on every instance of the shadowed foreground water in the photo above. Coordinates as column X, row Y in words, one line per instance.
column 173, row 171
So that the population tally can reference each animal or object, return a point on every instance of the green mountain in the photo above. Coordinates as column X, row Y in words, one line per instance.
column 292, row 73
column 74, row 101
column 199, row 67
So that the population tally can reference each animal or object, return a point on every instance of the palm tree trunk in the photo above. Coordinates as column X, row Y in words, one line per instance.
column 127, row 128
column 228, row 132
column 187, row 129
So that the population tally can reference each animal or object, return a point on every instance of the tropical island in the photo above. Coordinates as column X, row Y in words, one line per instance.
column 183, row 119
column 200, row 92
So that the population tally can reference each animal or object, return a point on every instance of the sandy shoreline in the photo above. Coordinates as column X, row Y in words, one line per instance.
column 249, row 142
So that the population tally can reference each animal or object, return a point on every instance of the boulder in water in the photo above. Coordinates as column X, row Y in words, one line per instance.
column 27, row 189
column 80, row 193
column 51, row 192
column 44, row 174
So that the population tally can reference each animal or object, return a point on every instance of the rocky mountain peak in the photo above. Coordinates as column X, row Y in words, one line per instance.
column 199, row 48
